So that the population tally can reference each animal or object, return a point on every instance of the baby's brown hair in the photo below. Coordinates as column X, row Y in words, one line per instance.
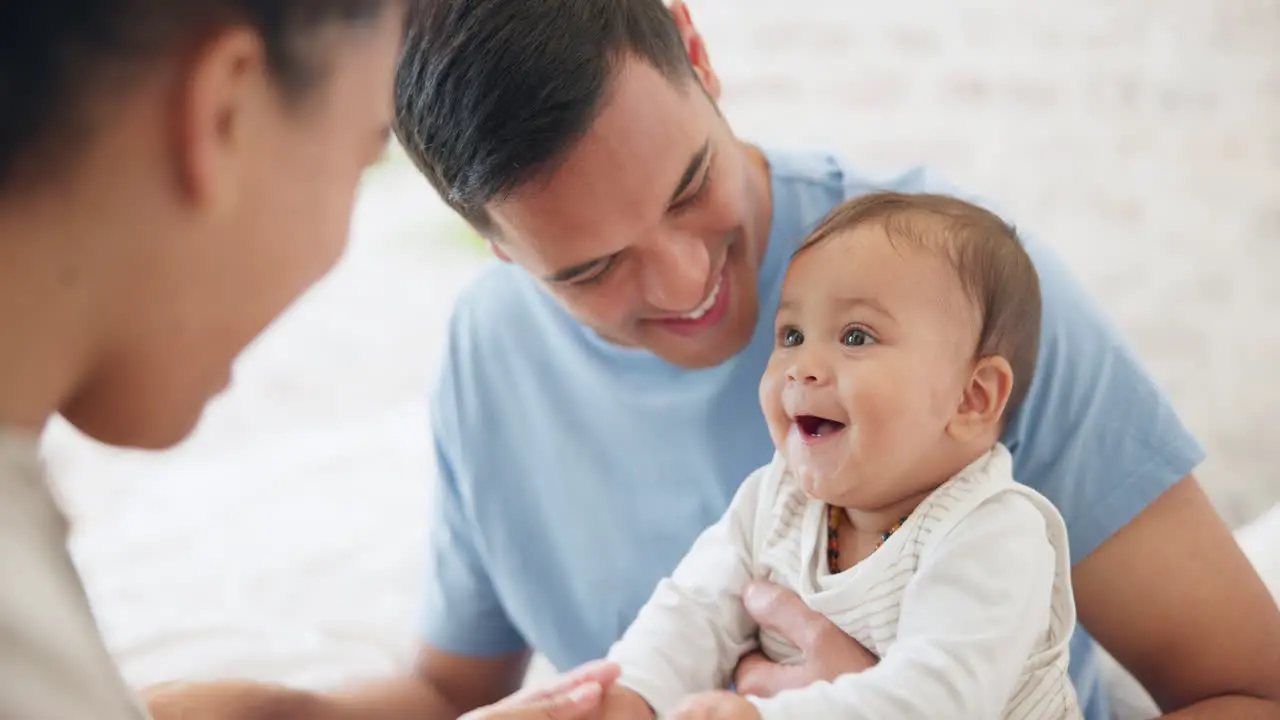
column 988, row 256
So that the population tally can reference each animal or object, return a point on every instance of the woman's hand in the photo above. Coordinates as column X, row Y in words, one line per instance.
column 577, row 694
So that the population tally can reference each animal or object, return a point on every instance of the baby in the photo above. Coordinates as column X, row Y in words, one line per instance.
column 906, row 336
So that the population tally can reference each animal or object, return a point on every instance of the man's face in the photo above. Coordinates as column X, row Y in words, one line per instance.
column 652, row 229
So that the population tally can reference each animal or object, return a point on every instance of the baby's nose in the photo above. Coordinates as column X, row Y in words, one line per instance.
column 807, row 372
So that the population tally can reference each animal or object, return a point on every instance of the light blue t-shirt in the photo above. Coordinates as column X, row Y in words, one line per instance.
column 574, row 474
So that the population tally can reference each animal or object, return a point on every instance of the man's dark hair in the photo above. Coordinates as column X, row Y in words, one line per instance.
column 492, row 93
column 58, row 58
column 988, row 256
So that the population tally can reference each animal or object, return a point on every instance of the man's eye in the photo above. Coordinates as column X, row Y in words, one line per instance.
column 593, row 276
column 790, row 337
column 697, row 195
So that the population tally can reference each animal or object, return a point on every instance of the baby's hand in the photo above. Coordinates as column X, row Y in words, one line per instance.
column 718, row 705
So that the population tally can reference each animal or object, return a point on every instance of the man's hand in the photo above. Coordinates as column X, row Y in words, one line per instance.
column 828, row 651
column 718, row 705
column 577, row 694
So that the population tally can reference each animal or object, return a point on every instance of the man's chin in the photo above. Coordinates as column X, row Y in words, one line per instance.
column 714, row 348
column 692, row 355
column 698, row 361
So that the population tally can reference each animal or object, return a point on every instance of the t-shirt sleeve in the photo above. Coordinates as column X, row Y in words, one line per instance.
column 1096, row 435
column 461, row 611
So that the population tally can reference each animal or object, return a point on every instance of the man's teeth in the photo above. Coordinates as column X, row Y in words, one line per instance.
column 706, row 305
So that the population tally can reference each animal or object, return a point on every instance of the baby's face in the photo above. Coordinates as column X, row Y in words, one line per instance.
column 874, row 345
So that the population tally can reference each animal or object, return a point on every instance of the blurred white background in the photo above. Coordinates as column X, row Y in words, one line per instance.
column 1141, row 138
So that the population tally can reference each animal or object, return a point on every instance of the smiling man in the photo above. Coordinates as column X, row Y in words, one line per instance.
column 598, row 404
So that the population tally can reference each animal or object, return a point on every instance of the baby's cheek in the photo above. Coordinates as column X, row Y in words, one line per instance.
column 890, row 399
column 770, row 387
column 771, row 407
column 937, row 391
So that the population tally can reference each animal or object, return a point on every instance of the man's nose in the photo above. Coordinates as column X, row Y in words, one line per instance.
column 676, row 273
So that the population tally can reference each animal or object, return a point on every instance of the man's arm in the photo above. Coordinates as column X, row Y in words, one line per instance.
column 1193, row 621
column 442, row 687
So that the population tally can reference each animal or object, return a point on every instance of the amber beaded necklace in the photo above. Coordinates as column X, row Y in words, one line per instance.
column 833, row 537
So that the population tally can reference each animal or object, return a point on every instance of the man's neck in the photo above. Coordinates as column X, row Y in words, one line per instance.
column 762, row 195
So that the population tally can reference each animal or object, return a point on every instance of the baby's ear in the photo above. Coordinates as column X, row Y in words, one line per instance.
column 984, row 399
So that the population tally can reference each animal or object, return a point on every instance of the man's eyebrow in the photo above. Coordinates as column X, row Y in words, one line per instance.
column 691, row 172
column 569, row 273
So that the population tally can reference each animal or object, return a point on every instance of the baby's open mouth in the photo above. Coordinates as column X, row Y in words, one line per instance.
column 814, row 426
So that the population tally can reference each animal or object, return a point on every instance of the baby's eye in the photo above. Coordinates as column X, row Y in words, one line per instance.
column 857, row 337
column 790, row 337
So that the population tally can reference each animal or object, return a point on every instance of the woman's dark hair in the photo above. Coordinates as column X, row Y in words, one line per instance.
column 59, row 58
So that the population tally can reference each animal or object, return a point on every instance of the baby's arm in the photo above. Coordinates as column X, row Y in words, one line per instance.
column 971, row 617
column 691, row 633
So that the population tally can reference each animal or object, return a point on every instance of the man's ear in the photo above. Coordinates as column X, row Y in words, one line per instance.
column 696, row 48
column 496, row 248
column 983, row 400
